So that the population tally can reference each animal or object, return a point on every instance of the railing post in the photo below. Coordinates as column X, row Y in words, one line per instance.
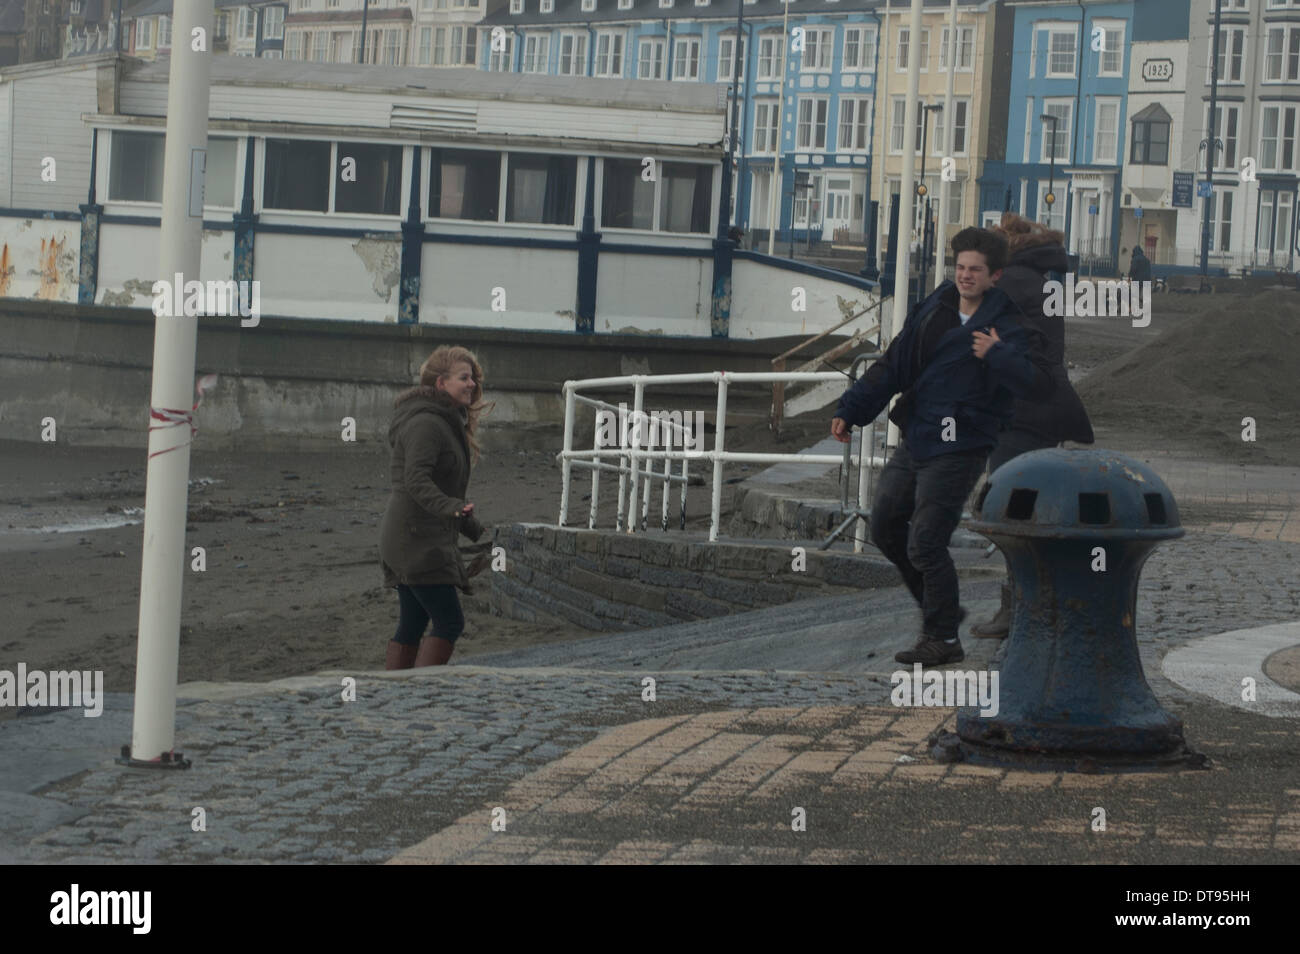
column 719, row 448
column 595, row 475
column 566, row 465
column 638, row 397
column 778, row 397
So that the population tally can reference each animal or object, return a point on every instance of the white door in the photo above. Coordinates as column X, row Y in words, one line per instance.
column 837, row 208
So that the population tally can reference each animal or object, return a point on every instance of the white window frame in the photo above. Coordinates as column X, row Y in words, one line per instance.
column 613, row 39
column 274, row 22
column 503, row 61
column 1230, row 35
column 164, row 32
column 902, row 63
column 1064, row 128
column 1279, row 140
column 865, row 43
column 424, row 55
column 1116, row 29
column 965, row 49
column 767, row 121
column 541, row 43
column 1056, row 218
column 651, row 66
column 961, row 106
column 516, row 7
column 818, row 49
column 588, row 6
column 726, row 64
column 1218, row 243
column 1052, row 33
column 1288, row 59
column 860, row 107
column 693, row 43
column 546, row 6
column 816, row 105
column 1228, row 129
column 144, row 27
column 1098, row 157
column 771, row 64
column 577, row 55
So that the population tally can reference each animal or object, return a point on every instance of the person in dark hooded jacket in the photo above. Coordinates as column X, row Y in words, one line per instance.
column 432, row 437
column 1034, row 251
column 959, row 361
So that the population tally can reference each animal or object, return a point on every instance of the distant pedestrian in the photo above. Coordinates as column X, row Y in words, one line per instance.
column 433, row 449
column 1139, row 269
column 960, row 358
column 1034, row 252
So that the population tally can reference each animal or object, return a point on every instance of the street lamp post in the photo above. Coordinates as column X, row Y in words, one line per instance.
column 365, row 12
column 1050, row 198
column 924, row 193
column 1209, row 151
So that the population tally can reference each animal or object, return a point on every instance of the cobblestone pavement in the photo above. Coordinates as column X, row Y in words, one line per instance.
column 300, row 775
column 712, row 770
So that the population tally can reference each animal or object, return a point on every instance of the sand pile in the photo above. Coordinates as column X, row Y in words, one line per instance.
column 1199, row 379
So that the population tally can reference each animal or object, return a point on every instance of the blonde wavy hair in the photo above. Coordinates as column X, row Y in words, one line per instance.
column 439, row 364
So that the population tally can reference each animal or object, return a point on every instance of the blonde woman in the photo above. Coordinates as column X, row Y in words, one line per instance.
column 432, row 437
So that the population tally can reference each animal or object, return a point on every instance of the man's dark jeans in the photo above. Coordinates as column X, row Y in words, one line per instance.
column 917, row 507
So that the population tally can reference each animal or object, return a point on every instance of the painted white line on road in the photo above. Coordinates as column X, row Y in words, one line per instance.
column 1217, row 666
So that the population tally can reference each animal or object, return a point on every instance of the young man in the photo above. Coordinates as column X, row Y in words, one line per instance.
column 959, row 362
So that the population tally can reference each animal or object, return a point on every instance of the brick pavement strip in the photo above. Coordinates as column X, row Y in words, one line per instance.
column 1186, row 815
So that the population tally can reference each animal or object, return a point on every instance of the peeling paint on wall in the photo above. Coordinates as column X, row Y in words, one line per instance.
column 383, row 260
column 6, row 270
column 57, row 266
column 126, row 297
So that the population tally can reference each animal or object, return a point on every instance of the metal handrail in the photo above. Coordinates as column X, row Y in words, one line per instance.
column 635, row 463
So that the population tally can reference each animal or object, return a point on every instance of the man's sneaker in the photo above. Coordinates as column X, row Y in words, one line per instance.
column 932, row 652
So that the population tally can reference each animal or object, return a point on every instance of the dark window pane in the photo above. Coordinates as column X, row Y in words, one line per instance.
column 297, row 175
column 541, row 189
column 465, row 184
column 684, row 197
column 374, row 185
column 627, row 202
column 136, row 171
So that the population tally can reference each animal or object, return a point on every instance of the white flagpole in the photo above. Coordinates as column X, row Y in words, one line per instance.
column 774, row 191
column 949, row 121
column 172, row 396
column 907, row 190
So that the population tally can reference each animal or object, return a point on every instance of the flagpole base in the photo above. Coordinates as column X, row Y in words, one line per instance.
column 168, row 760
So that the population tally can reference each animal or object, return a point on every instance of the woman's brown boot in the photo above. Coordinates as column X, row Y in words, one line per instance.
column 400, row 656
column 1000, row 624
column 434, row 652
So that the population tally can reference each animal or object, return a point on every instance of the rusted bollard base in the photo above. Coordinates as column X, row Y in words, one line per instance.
column 950, row 747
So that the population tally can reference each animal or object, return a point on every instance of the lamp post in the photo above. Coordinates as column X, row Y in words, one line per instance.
column 922, row 192
column 365, row 12
column 1209, row 152
column 1050, row 198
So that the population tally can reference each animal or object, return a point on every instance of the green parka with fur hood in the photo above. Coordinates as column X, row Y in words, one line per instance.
column 430, row 476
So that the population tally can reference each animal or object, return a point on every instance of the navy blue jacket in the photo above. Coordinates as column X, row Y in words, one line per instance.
column 977, row 394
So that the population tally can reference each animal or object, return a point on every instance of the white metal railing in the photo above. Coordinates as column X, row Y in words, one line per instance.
column 636, row 457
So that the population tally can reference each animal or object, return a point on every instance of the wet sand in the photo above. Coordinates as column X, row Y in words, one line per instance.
column 292, row 583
